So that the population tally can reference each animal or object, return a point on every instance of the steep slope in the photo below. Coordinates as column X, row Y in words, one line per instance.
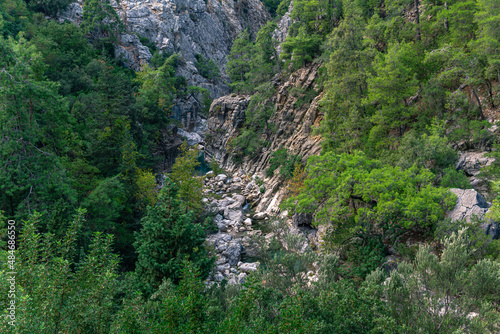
column 293, row 122
column 187, row 27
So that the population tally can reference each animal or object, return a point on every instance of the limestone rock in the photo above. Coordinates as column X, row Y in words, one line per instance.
column 221, row 177
column 293, row 123
column 472, row 162
column 233, row 252
column 260, row 215
column 469, row 203
column 249, row 267
column 192, row 138
column 185, row 27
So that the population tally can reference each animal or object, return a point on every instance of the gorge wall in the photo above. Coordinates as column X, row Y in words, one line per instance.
column 186, row 27
column 293, row 122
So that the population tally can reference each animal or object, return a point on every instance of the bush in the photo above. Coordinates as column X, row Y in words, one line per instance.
column 281, row 158
column 357, row 196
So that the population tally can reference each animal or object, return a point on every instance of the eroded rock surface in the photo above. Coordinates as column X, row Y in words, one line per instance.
column 469, row 203
column 471, row 163
column 186, row 27
column 293, row 122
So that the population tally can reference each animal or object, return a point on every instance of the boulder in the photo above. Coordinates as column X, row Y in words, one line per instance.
column 260, row 216
column 192, row 138
column 249, row 267
column 218, row 277
column 234, row 215
column 472, row 162
column 239, row 199
column 221, row 177
column 233, row 252
column 469, row 203
column 242, row 278
column 492, row 229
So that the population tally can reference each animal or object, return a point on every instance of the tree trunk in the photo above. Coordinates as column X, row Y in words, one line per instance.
column 417, row 12
column 478, row 101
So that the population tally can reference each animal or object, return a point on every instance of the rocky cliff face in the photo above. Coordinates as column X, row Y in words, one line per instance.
column 293, row 123
column 187, row 27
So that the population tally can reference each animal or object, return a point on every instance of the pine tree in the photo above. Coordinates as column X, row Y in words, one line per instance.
column 168, row 237
column 239, row 62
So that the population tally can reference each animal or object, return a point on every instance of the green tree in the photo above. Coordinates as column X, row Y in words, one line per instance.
column 100, row 23
column 157, row 90
column 34, row 127
column 56, row 293
column 347, row 118
column 488, row 42
column 356, row 196
column 390, row 87
column 14, row 17
column 169, row 236
column 238, row 64
column 264, row 62
column 446, row 294
column 184, row 175
column 301, row 49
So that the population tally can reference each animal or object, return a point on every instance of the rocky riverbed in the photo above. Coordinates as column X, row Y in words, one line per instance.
column 241, row 230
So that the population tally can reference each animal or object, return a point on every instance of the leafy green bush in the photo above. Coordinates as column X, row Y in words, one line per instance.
column 168, row 236
column 247, row 144
column 364, row 256
column 356, row 195
column 454, row 285
column 287, row 162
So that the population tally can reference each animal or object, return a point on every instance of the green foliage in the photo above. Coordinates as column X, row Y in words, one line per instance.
column 432, row 151
column 355, row 195
column 301, row 49
column 100, row 23
column 252, row 64
column 168, row 237
column 239, row 61
column 247, row 144
column 251, row 139
column 55, row 292
column 390, row 87
column 48, row 7
column 157, row 89
column 448, row 286
column 363, row 257
column 207, row 68
column 33, row 123
column 346, row 120
column 287, row 163
column 454, row 179
column 14, row 17
column 184, row 175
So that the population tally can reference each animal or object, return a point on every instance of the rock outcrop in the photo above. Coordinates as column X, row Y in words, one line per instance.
column 293, row 123
column 470, row 203
column 284, row 25
column 472, row 163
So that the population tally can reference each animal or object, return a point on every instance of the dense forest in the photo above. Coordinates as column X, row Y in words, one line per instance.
column 106, row 242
